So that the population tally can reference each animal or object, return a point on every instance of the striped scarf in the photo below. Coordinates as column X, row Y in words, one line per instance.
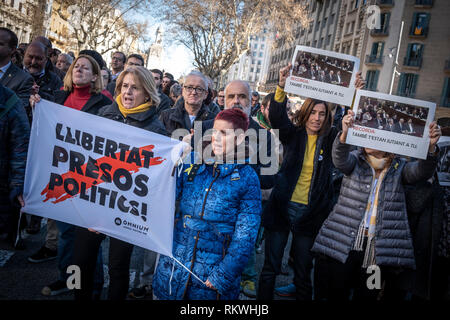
column 371, row 212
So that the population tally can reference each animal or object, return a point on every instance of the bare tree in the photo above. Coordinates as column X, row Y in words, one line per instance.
column 102, row 24
column 218, row 32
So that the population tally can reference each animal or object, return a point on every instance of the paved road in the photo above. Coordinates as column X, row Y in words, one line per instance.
column 22, row 280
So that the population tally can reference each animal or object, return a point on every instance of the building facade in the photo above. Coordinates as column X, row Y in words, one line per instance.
column 26, row 18
column 253, row 65
column 320, row 33
column 409, row 55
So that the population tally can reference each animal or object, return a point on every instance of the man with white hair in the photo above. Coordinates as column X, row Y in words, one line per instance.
column 191, row 106
column 63, row 63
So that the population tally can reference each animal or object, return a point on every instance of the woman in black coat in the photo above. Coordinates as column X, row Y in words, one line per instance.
column 301, row 198
column 135, row 105
column 82, row 91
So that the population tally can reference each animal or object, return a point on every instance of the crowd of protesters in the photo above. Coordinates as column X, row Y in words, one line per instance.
column 347, row 209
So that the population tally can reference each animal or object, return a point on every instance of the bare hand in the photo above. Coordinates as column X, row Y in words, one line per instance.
column 435, row 134
column 92, row 230
column 35, row 98
column 20, row 199
column 284, row 73
column 347, row 122
column 209, row 285
column 34, row 89
column 359, row 81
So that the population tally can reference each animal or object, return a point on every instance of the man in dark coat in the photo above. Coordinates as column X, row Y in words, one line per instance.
column 164, row 104
column 190, row 107
column 14, row 136
column 46, row 83
column 12, row 76
column 35, row 60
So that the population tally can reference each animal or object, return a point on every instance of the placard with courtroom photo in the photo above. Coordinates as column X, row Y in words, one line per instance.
column 391, row 123
column 324, row 75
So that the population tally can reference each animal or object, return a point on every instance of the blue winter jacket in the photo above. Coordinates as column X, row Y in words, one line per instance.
column 215, row 231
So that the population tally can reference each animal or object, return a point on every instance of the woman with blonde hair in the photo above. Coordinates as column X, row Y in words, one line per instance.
column 82, row 91
column 135, row 105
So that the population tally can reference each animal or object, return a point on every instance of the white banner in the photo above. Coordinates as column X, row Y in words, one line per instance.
column 391, row 123
column 323, row 75
column 102, row 174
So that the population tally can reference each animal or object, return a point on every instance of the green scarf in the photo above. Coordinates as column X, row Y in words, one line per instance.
column 262, row 121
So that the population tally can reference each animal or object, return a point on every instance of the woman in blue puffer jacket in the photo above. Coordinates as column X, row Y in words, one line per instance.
column 217, row 221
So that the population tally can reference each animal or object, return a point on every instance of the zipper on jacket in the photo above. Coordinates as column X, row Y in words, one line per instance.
column 315, row 164
column 198, row 232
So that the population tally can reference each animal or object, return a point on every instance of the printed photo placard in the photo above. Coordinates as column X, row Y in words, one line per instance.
column 391, row 123
column 324, row 75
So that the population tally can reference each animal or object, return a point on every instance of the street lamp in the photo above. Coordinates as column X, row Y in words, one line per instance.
column 391, row 55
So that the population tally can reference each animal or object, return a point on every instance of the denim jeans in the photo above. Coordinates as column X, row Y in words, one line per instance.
column 65, row 255
column 275, row 243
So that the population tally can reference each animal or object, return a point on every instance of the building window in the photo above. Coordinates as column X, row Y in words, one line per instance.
column 376, row 54
column 261, row 54
column 445, row 101
column 372, row 79
column 414, row 55
column 407, row 85
column 419, row 25
column 328, row 39
column 332, row 19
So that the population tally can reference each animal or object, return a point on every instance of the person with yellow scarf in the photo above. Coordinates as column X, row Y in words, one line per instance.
column 135, row 104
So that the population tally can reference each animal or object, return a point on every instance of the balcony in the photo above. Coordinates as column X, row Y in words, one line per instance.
column 379, row 32
column 412, row 63
column 372, row 60
column 423, row 3
column 385, row 3
column 418, row 33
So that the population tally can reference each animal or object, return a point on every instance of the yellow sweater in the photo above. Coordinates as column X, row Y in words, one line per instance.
column 301, row 191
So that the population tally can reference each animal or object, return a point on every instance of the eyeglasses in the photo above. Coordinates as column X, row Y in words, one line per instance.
column 196, row 89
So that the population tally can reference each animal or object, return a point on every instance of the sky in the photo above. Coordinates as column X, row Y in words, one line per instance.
column 177, row 59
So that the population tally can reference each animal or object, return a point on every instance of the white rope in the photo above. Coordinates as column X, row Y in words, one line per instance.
column 189, row 271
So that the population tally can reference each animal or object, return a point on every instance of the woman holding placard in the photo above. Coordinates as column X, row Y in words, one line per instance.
column 82, row 91
column 302, row 196
column 217, row 221
column 368, row 229
column 134, row 105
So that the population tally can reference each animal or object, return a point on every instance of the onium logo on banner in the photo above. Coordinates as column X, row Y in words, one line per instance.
column 101, row 174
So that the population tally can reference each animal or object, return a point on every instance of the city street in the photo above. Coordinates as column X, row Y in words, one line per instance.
column 23, row 280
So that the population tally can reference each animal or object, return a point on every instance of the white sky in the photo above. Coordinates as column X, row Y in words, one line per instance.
column 176, row 58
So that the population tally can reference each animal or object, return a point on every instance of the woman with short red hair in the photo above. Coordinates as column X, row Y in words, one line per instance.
column 217, row 221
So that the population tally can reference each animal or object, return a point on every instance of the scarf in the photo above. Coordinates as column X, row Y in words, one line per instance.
column 125, row 112
column 262, row 121
column 371, row 212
